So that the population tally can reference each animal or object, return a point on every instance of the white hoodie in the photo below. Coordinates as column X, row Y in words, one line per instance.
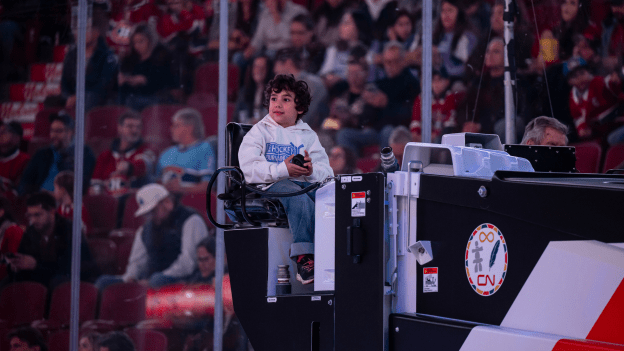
column 265, row 147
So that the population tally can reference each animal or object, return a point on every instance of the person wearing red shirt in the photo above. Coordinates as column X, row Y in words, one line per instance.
column 124, row 16
column 10, row 235
column 128, row 162
column 64, row 196
column 12, row 160
column 443, row 109
column 593, row 101
column 185, row 17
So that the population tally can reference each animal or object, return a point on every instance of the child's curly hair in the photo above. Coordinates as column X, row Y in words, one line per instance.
column 288, row 82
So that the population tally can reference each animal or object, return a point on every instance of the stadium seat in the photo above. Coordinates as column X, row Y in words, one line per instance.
column 60, row 303
column 22, row 303
column 198, row 202
column 207, row 79
column 104, row 209
column 122, row 305
column 104, row 253
column 42, row 122
column 129, row 221
column 614, row 157
column 588, row 156
column 59, row 341
column 59, row 53
column 147, row 340
column 211, row 118
column 123, row 238
column 368, row 164
column 201, row 100
column 370, row 151
column 157, row 124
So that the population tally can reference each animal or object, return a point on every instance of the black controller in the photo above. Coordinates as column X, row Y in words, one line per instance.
column 298, row 160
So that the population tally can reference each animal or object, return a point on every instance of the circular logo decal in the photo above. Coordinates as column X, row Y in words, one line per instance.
column 486, row 259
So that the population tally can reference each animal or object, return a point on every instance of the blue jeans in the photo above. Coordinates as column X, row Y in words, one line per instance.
column 156, row 280
column 300, row 212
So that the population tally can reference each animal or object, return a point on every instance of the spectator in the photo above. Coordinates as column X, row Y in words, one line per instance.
column 354, row 38
column 303, row 40
column 545, row 131
column 145, row 76
column 342, row 160
column 453, row 38
column 64, row 195
column 88, row 341
column 44, row 254
column 398, row 139
column 246, row 23
column 27, row 338
column 273, row 31
column 12, row 160
column 488, row 115
column 574, row 20
column 443, row 109
column 164, row 248
column 182, row 26
column 13, row 19
column 101, row 67
column 47, row 162
column 10, row 234
column 401, row 29
column 288, row 61
column 115, row 341
column 124, row 16
column 392, row 96
column 187, row 166
column 613, row 34
column 593, row 101
column 327, row 19
column 205, row 272
column 128, row 163
column 249, row 107
column 380, row 13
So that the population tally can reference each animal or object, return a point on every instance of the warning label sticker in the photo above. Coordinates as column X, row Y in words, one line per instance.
column 358, row 204
column 430, row 279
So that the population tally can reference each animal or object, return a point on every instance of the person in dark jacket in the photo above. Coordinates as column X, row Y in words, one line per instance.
column 47, row 162
column 45, row 252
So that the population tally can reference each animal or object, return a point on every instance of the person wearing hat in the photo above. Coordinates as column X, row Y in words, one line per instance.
column 12, row 160
column 47, row 162
column 164, row 248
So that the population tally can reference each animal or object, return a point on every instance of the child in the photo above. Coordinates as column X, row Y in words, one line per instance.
column 593, row 100
column 64, row 195
column 443, row 108
column 265, row 156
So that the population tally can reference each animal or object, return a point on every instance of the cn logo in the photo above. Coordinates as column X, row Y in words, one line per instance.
column 482, row 280
column 486, row 259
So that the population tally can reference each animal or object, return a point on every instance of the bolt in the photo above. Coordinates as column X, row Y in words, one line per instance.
column 396, row 329
column 368, row 192
column 344, row 186
column 482, row 191
column 329, row 302
column 390, row 185
column 421, row 250
column 368, row 200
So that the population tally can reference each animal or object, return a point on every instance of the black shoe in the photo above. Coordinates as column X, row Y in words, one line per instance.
column 305, row 268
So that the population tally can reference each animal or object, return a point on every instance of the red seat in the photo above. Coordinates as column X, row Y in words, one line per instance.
column 207, row 79
column 370, row 150
column 129, row 221
column 60, row 306
column 201, row 100
column 614, row 157
column 367, row 164
column 101, row 126
column 123, row 238
column 147, row 340
column 59, row 53
column 198, row 202
column 588, row 157
column 59, row 341
column 122, row 305
column 22, row 303
column 104, row 209
column 157, row 123
column 104, row 253
column 211, row 118
column 42, row 122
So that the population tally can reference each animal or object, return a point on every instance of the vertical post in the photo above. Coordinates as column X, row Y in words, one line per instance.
column 426, row 94
column 78, row 177
column 510, row 72
column 220, row 249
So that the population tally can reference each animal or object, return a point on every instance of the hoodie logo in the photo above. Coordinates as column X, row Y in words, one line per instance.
column 279, row 152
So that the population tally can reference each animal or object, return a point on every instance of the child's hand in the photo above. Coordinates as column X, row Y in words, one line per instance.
column 308, row 163
column 294, row 170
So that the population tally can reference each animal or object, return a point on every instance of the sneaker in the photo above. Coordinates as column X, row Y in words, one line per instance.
column 305, row 268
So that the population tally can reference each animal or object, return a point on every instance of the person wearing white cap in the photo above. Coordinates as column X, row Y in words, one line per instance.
column 164, row 248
